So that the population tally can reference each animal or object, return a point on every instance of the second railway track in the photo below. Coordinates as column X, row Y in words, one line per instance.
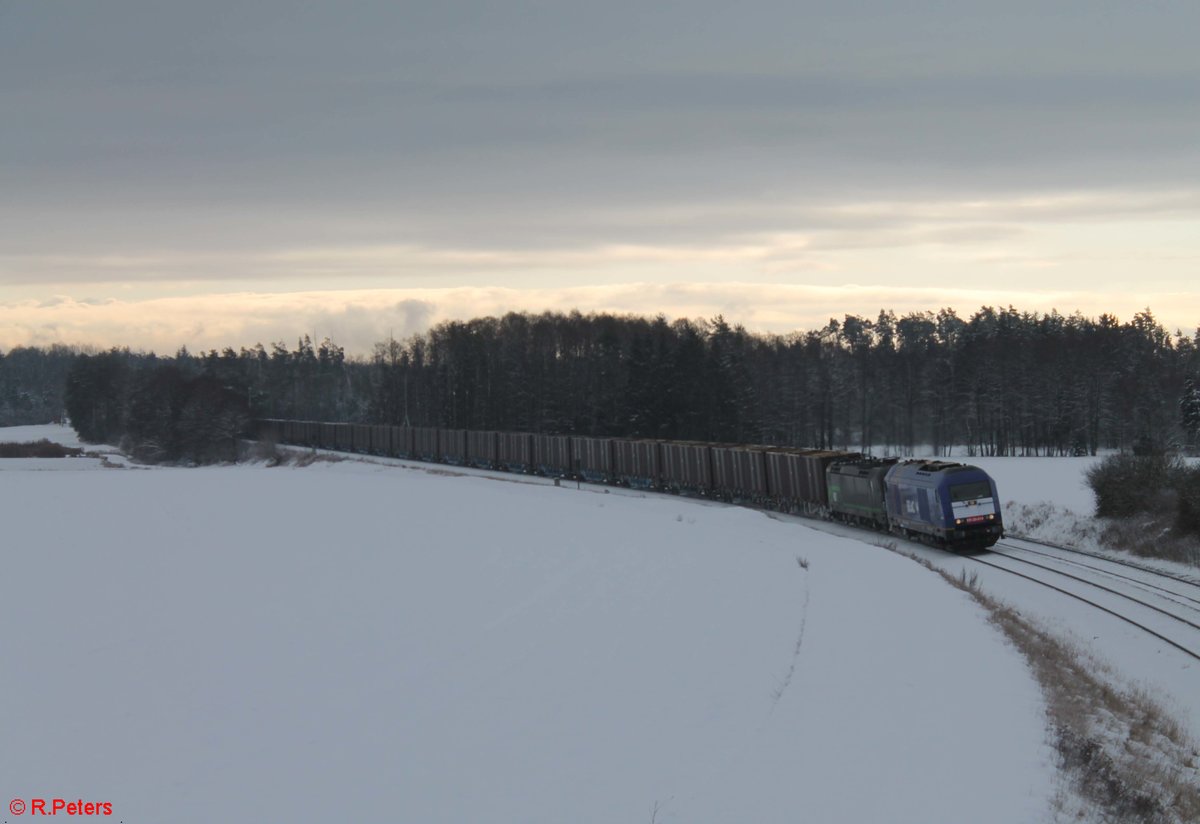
column 1185, row 629
column 1163, row 585
column 1191, row 581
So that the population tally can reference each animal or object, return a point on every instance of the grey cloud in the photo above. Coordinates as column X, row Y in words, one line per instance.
column 250, row 127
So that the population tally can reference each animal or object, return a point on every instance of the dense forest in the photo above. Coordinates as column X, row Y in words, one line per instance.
column 32, row 382
column 1001, row 382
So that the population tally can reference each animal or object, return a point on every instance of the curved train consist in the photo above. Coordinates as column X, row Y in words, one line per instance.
column 939, row 502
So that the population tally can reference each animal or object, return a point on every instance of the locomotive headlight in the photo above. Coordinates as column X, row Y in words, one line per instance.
column 957, row 521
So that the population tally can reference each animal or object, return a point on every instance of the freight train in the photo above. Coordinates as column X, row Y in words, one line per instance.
column 939, row 502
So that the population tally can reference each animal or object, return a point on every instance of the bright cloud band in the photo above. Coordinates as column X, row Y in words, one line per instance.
column 359, row 318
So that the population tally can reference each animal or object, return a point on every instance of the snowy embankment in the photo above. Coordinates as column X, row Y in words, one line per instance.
column 360, row 642
column 1046, row 498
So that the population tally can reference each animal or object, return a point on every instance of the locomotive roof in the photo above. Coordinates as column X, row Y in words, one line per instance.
column 861, row 468
column 863, row 462
column 938, row 466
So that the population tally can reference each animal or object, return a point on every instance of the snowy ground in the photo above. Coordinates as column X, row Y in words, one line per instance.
column 99, row 456
column 1029, row 481
column 357, row 642
column 64, row 435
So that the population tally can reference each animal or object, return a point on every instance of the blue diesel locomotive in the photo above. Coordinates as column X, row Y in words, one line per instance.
column 939, row 502
column 946, row 503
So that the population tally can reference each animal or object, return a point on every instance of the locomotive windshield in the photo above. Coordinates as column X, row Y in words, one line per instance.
column 971, row 491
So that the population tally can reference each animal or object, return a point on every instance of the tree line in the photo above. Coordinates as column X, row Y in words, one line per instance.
column 32, row 382
column 159, row 410
column 1001, row 382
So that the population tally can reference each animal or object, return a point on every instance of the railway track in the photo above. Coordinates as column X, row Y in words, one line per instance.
column 1191, row 580
column 1164, row 585
column 1183, row 618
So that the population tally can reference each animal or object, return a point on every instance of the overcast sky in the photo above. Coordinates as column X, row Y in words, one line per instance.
column 222, row 173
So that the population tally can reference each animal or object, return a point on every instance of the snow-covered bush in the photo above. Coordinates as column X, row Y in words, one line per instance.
column 1127, row 485
column 1187, row 487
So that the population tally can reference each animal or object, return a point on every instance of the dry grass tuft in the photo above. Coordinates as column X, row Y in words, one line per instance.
column 38, row 449
column 1150, row 536
column 271, row 454
column 302, row 459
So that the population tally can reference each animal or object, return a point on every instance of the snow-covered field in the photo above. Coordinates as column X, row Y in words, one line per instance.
column 1030, row 481
column 359, row 642
column 64, row 435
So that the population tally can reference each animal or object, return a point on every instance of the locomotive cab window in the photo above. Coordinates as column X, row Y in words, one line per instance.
column 971, row 491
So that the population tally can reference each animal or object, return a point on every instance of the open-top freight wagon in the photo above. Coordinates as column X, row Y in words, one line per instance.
column 945, row 503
